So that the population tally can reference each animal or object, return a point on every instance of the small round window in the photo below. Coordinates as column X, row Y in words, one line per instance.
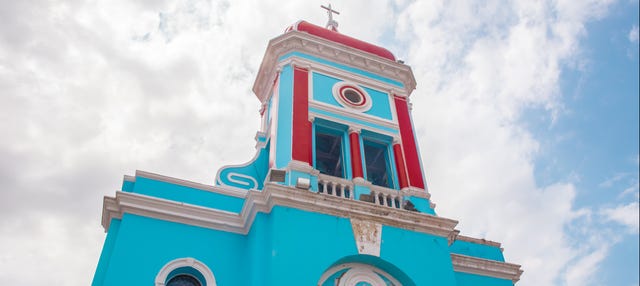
column 352, row 96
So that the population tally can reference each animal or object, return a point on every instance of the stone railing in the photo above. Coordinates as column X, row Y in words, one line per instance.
column 386, row 197
column 335, row 186
column 342, row 188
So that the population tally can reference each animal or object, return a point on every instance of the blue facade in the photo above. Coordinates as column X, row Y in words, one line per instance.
column 283, row 218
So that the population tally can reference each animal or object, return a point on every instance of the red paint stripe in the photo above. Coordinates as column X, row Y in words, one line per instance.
column 356, row 159
column 302, row 144
column 400, row 167
column 409, row 143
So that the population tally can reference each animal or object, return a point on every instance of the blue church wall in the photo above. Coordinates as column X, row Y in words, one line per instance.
column 157, row 242
column 467, row 279
column 342, row 67
column 169, row 191
column 477, row 250
column 107, row 250
column 285, row 120
column 305, row 244
column 322, row 92
column 423, row 257
column 423, row 205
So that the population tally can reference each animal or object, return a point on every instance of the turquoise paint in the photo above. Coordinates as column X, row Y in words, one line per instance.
column 127, row 186
column 305, row 244
column 285, row 118
column 361, row 190
column 256, row 169
column 322, row 89
column 466, row 279
column 179, row 193
column 107, row 251
column 323, row 92
column 381, row 106
column 423, row 257
column 353, row 120
column 343, row 67
column 156, row 242
column 477, row 250
column 421, row 204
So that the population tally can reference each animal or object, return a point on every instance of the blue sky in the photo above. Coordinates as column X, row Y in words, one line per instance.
column 593, row 142
column 526, row 114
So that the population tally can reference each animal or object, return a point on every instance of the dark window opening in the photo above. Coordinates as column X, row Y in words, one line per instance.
column 184, row 280
column 329, row 159
column 377, row 164
column 353, row 96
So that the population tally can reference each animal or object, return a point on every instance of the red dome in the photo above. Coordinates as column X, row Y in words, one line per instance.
column 321, row 32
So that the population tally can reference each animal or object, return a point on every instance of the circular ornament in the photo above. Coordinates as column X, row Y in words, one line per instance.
column 351, row 96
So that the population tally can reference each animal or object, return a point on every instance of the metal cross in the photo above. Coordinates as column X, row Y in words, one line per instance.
column 331, row 24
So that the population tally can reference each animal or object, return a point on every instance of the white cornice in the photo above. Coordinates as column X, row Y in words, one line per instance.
column 485, row 267
column 478, row 241
column 335, row 52
column 273, row 194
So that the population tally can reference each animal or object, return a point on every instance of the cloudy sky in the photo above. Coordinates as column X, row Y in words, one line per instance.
column 526, row 113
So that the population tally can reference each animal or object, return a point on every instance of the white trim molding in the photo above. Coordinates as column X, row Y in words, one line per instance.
column 263, row 201
column 319, row 47
column 162, row 276
column 485, row 267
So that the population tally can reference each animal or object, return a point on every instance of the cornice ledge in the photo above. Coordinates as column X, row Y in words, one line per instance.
column 485, row 267
column 478, row 240
column 273, row 194
column 170, row 211
column 327, row 49
column 306, row 200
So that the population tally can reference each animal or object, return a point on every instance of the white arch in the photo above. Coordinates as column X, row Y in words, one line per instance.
column 161, row 278
column 359, row 272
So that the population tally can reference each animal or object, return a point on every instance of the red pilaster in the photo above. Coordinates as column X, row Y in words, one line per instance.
column 356, row 159
column 301, row 141
column 414, row 171
column 400, row 166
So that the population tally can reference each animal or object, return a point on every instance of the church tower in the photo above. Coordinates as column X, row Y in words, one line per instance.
column 335, row 195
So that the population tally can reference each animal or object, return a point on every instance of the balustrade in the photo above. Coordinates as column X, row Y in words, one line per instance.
column 339, row 187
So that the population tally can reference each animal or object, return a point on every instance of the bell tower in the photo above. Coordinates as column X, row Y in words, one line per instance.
column 335, row 120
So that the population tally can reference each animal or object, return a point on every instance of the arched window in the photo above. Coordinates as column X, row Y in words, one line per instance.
column 185, row 272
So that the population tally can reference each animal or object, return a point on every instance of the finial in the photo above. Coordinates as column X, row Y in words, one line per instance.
column 331, row 24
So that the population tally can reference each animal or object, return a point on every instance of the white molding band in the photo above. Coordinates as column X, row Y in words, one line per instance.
column 485, row 267
column 162, row 276
column 319, row 47
column 273, row 194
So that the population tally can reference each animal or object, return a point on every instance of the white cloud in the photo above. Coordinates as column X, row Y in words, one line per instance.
column 627, row 215
column 478, row 67
column 633, row 34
